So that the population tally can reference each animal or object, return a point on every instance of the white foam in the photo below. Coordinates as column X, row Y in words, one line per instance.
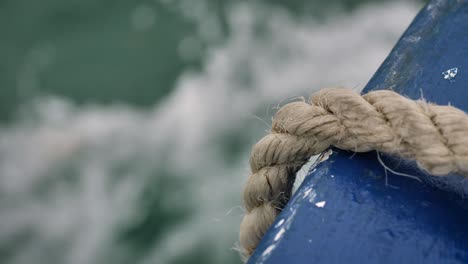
column 245, row 76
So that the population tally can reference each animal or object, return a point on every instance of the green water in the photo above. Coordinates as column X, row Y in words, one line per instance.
column 89, row 51
column 126, row 125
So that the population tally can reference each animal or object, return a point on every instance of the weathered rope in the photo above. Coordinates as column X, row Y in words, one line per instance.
column 436, row 137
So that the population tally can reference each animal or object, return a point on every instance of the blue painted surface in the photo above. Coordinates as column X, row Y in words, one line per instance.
column 363, row 219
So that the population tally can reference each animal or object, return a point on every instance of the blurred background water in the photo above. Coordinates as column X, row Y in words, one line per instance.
column 125, row 126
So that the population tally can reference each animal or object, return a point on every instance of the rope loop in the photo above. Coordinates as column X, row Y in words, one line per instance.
column 434, row 136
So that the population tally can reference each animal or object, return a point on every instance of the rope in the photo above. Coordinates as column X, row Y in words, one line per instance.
column 432, row 135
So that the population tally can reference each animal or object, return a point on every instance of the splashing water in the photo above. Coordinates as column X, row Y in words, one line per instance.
column 116, row 184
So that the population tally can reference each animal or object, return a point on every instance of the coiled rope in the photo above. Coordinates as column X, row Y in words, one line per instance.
column 435, row 136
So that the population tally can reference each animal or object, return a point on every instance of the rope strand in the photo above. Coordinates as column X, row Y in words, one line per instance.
column 432, row 135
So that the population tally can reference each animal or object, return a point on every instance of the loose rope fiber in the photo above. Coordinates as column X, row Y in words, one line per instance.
column 436, row 137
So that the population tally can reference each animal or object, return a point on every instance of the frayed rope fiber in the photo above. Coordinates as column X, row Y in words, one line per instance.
column 435, row 136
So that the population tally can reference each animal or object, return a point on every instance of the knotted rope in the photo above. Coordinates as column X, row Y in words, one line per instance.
column 432, row 135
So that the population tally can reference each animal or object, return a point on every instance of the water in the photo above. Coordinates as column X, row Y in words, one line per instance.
column 126, row 126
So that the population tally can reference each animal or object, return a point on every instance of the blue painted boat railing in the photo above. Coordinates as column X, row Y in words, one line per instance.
column 345, row 212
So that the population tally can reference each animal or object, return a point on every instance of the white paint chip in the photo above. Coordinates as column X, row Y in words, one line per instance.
column 320, row 204
column 450, row 73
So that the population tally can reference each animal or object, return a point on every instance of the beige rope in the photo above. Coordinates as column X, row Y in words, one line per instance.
column 436, row 137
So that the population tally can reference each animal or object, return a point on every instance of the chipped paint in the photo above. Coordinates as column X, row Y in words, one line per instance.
column 325, row 155
column 303, row 172
column 450, row 73
column 320, row 204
